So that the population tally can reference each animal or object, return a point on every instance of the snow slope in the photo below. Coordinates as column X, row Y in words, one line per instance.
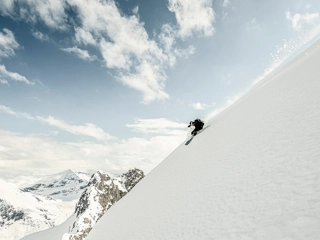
column 253, row 174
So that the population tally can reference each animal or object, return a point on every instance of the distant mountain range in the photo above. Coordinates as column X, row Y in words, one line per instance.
column 52, row 199
column 66, row 186
column 23, row 212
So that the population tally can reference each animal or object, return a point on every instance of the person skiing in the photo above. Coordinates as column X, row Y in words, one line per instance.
column 198, row 125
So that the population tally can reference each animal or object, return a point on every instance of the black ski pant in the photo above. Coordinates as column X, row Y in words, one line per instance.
column 195, row 130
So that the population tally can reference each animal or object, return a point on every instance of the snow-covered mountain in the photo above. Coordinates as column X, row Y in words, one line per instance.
column 22, row 213
column 102, row 192
column 66, row 186
column 48, row 202
column 253, row 174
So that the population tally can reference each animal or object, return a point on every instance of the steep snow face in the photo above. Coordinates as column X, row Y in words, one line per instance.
column 102, row 192
column 22, row 213
column 253, row 174
column 66, row 186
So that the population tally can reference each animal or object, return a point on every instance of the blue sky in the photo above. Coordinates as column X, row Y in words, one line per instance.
column 113, row 84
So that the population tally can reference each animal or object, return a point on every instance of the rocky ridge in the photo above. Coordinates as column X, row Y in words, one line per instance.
column 101, row 193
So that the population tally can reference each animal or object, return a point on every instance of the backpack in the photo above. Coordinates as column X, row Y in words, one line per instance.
column 198, row 122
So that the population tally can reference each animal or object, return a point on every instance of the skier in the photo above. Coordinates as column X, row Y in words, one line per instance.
column 198, row 125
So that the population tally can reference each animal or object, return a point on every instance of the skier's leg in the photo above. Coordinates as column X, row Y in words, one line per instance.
column 194, row 132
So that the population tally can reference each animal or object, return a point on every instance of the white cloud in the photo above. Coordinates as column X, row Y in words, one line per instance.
column 88, row 129
column 298, row 21
column 50, row 12
column 8, row 110
column 6, row 75
column 135, row 10
column 39, row 35
column 30, row 152
column 167, row 40
column 33, row 152
column 167, row 37
column 124, row 45
column 199, row 106
column 185, row 53
column 158, row 126
column 8, row 44
column 7, row 7
column 139, row 62
column 193, row 16
column 226, row 3
column 84, row 37
column 83, row 54
column 21, row 151
column 148, row 79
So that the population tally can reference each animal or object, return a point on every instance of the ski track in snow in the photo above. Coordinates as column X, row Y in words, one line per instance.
column 254, row 174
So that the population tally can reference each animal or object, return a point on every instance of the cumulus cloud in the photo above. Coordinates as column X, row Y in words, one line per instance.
column 6, row 76
column 298, row 20
column 50, row 12
column 39, row 35
column 149, row 79
column 83, row 54
column 124, row 44
column 158, row 126
column 193, row 16
column 7, row 7
column 88, row 129
column 84, row 37
column 8, row 44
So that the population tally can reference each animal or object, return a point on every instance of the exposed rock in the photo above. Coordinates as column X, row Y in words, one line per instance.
column 132, row 177
column 101, row 193
column 8, row 214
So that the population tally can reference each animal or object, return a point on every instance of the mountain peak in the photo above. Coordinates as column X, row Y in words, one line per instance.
column 102, row 191
column 66, row 185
